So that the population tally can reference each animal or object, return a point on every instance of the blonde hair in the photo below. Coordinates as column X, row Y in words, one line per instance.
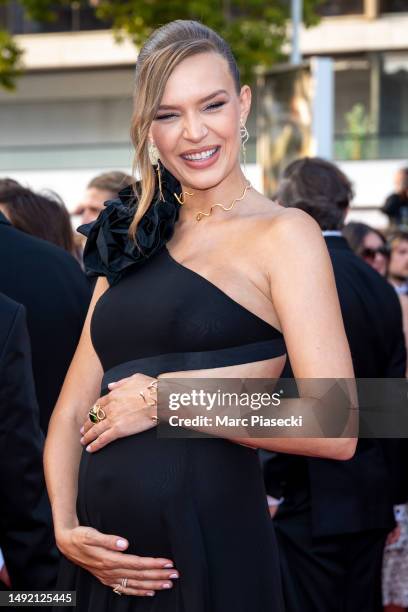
column 163, row 51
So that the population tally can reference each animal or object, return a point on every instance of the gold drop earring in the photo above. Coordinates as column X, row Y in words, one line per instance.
column 244, row 134
column 155, row 160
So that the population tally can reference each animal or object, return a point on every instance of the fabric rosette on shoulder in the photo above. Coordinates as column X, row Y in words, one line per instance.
column 109, row 251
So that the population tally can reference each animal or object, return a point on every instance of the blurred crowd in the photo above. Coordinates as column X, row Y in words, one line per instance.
column 44, row 296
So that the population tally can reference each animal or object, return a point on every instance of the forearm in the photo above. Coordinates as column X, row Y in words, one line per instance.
column 62, row 455
column 62, row 447
column 331, row 448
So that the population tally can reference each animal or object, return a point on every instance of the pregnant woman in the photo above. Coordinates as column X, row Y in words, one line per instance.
column 200, row 275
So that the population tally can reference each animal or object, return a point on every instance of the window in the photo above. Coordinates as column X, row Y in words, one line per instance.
column 394, row 6
column 331, row 8
column 372, row 106
column 71, row 18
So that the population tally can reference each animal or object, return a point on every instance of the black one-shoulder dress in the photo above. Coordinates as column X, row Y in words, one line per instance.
column 199, row 502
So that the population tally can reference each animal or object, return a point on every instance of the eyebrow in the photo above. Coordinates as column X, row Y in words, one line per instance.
column 205, row 99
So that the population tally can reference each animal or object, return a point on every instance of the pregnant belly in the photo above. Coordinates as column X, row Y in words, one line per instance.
column 148, row 489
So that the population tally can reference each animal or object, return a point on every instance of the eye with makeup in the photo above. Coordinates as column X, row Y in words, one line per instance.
column 211, row 107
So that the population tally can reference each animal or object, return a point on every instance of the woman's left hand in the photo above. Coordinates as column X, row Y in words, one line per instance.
column 130, row 408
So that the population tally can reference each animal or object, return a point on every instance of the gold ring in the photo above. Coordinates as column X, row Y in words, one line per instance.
column 117, row 590
column 96, row 413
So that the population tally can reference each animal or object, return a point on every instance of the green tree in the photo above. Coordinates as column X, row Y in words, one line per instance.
column 255, row 29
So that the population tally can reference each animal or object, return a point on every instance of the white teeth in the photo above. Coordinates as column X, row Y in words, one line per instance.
column 202, row 155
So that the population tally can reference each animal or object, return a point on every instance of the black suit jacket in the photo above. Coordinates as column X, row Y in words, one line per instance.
column 51, row 285
column 355, row 495
column 26, row 533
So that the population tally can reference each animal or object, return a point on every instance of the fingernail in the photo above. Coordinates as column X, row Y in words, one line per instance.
column 167, row 585
column 89, row 448
column 82, row 429
column 111, row 385
column 82, row 440
column 173, row 576
column 168, row 565
column 150, row 594
column 121, row 543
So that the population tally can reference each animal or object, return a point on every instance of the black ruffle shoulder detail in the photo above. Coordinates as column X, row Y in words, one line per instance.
column 109, row 251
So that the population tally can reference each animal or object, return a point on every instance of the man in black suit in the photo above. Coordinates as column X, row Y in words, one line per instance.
column 51, row 285
column 335, row 515
column 26, row 533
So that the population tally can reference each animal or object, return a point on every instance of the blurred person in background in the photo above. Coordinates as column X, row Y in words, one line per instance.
column 42, row 215
column 103, row 187
column 49, row 282
column 368, row 243
column 371, row 245
column 29, row 558
column 398, row 268
column 395, row 564
column 396, row 205
column 398, row 273
column 332, row 518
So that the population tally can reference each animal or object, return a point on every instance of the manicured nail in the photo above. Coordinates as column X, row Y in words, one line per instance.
column 82, row 429
column 167, row 585
column 89, row 448
column 168, row 565
column 121, row 543
column 150, row 593
column 173, row 576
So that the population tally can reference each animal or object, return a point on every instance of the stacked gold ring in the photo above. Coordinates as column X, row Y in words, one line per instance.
column 122, row 585
column 96, row 413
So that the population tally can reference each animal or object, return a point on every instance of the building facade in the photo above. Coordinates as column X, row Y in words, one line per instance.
column 69, row 117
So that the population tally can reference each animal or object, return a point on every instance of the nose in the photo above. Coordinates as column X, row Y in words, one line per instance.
column 194, row 128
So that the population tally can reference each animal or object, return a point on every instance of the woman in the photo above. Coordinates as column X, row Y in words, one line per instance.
column 369, row 244
column 199, row 292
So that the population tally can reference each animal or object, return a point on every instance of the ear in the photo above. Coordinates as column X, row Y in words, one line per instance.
column 346, row 212
column 245, row 98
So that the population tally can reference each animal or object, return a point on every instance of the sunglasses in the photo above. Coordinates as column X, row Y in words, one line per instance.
column 371, row 253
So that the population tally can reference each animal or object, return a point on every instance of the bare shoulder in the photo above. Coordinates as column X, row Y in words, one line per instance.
column 285, row 231
column 291, row 222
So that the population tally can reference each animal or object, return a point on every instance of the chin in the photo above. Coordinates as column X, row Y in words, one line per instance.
column 203, row 179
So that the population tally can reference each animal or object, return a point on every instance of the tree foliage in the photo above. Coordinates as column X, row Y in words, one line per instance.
column 255, row 29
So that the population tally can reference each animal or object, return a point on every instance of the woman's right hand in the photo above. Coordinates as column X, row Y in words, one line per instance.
column 103, row 556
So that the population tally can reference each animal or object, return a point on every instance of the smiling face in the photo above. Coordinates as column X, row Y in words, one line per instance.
column 196, row 128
